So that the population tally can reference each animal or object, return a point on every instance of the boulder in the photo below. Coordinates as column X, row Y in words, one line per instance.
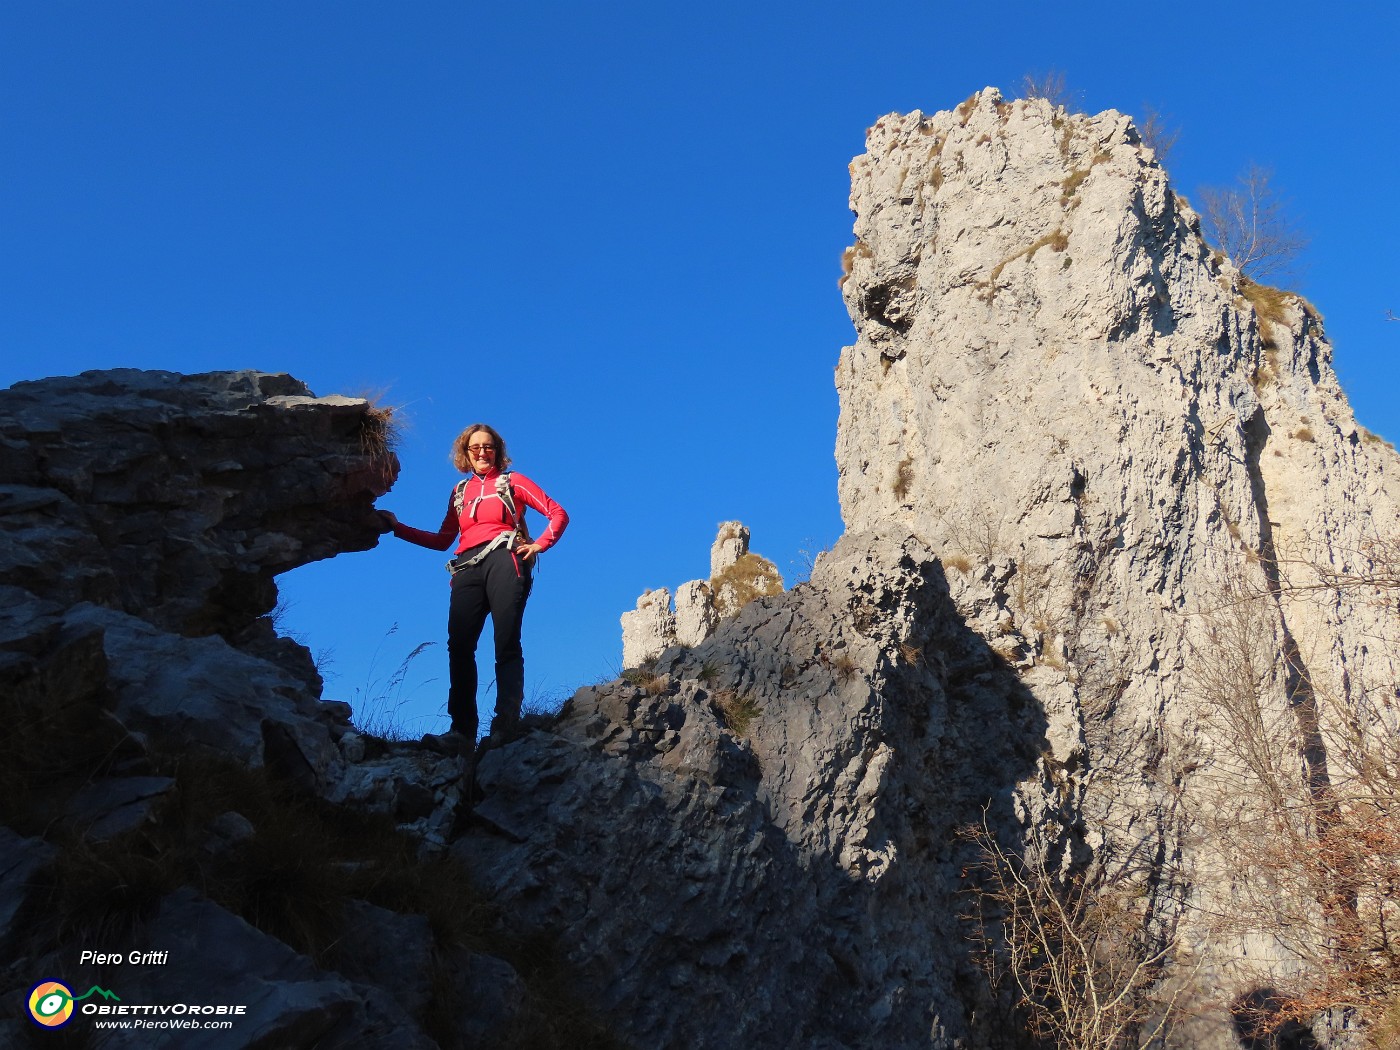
column 178, row 498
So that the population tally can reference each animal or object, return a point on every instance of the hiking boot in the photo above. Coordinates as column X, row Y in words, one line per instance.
column 505, row 730
column 450, row 743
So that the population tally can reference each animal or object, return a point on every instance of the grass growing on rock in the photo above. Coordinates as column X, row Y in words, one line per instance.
column 380, row 428
column 1371, row 438
column 1271, row 304
column 751, row 577
column 737, row 711
column 904, row 477
column 1057, row 240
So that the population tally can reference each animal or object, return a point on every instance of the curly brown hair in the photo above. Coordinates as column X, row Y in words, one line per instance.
column 459, row 447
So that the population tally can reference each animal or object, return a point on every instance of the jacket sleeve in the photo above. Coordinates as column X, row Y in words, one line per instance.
column 438, row 541
column 534, row 496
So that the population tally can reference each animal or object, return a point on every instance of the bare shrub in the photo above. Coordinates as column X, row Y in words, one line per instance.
column 1157, row 135
column 904, row 477
column 1307, row 794
column 978, row 535
column 1249, row 222
column 1049, row 85
column 1078, row 953
column 806, row 560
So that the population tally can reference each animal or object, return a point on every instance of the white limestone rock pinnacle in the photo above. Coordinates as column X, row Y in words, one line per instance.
column 648, row 629
column 731, row 544
column 1099, row 423
column 736, row 578
column 696, row 617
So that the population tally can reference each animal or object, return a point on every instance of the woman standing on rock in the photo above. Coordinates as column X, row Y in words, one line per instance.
column 491, row 571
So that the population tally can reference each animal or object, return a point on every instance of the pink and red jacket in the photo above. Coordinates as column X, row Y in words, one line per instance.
column 484, row 516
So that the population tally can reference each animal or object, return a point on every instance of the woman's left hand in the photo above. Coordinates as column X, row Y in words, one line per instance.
column 528, row 550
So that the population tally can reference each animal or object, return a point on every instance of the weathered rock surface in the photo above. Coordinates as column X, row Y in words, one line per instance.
column 178, row 498
column 696, row 617
column 731, row 544
column 143, row 517
column 649, row 628
column 767, row 829
column 1104, row 426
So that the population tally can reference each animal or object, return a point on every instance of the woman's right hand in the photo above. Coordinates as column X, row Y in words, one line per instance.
column 389, row 521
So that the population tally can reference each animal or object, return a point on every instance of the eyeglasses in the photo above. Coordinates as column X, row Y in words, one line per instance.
column 481, row 450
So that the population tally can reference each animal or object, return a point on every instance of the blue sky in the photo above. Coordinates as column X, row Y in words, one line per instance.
column 612, row 230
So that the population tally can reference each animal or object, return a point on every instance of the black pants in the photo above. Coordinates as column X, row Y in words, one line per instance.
column 500, row 586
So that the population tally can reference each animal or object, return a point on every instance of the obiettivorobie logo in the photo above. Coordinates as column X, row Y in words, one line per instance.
column 51, row 1003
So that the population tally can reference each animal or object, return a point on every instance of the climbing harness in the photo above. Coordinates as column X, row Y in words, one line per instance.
column 459, row 563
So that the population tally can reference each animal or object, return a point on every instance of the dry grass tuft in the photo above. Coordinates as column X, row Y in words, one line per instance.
column 752, row 576
column 644, row 679
column 1375, row 439
column 961, row 562
column 843, row 664
column 380, row 427
column 904, row 477
column 737, row 711
column 1271, row 304
column 1057, row 240
column 1070, row 185
column 1267, row 372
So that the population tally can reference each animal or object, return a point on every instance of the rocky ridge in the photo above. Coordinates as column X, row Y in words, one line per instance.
column 764, row 826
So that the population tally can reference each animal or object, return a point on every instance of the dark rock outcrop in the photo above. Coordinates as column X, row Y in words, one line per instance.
column 143, row 518
column 766, row 827
column 178, row 498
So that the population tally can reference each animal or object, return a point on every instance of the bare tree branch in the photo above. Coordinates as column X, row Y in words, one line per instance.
column 1077, row 953
column 1156, row 134
column 1318, row 861
column 1249, row 224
